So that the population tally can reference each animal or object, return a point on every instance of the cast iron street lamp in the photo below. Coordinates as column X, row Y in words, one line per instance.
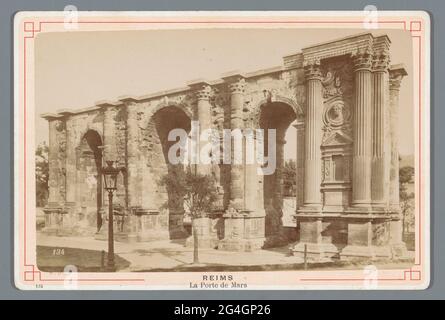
column 110, row 179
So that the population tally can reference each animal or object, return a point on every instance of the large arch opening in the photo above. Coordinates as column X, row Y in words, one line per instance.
column 89, row 163
column 279, row 185
column 165, row 120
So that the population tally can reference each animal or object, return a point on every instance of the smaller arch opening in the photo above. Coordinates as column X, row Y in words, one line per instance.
column 89, row 163
column 278, row 116
column 162, row 122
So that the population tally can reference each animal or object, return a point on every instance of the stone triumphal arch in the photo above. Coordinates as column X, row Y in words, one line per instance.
column 341, row 97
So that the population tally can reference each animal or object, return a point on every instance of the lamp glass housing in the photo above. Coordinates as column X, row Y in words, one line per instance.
column 110, row 176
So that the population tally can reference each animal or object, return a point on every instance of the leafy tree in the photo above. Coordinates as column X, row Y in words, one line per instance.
column 289, row 177
column 198, row 193
column 42, row 174
column 406, row 175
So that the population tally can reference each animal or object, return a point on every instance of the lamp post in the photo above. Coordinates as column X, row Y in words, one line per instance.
column 110, row 179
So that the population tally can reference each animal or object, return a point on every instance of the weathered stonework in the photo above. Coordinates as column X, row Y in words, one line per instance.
column 342, row 98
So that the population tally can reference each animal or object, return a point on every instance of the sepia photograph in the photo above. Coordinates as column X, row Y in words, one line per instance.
column 224, row 150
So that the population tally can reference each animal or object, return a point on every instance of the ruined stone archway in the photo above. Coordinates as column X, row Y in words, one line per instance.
column 332, row 134
column 89, row 191
column 278, row 116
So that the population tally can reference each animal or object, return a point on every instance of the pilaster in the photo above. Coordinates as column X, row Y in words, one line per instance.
column 133, row 154
column 109, row 136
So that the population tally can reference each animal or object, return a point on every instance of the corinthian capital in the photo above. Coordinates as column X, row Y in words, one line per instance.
column 380, row 62
column 204, row 92
column 312, row 69
column 236, row 81
column 238, row 86
column 362, row 59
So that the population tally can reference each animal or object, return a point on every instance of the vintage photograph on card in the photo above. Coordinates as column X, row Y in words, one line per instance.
column 222, row 150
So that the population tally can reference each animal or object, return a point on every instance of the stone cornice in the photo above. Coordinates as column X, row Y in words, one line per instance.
column 65, row 113
column 161, row 94
column 51, row 116
column 293, row 61
column 233, row 77
column 128, row 99
column 381, row 44
column 107, row 103
column 365, row 48
column 263, row 72
column 340, row 47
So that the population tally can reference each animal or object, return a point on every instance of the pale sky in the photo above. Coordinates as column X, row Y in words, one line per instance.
column 76, row 69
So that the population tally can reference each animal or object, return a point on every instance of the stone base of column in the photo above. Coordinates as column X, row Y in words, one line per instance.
column 208, row 232
column 52, row 219
column 57, row 221
column 317, row 247
column 398, row 247
column 243, row 231
column 146, row 225
column 315, row 251
column 73, row 221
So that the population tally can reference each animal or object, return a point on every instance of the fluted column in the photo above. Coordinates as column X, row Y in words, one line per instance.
column 395, row 78
column 379, row 111
column 203, row 112
column 236, row 87
column 314, row 109
column 362, row 130
column 134, row 188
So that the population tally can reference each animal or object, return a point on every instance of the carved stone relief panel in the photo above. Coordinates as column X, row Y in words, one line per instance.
column 338, row 96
